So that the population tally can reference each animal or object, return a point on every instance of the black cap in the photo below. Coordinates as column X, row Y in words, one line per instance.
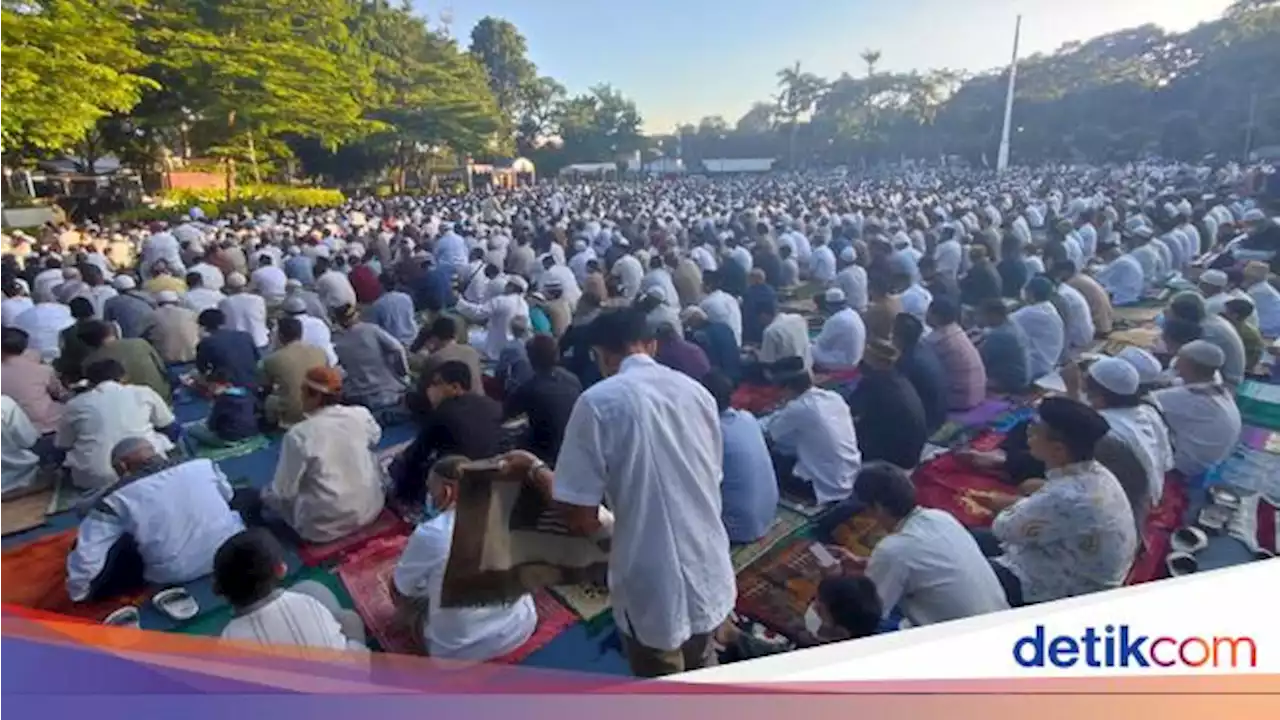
column 1079, row 425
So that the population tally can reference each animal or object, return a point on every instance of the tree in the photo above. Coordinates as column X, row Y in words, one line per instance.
column 713, row 125
column 870, row 57
column 598, row 126
column 66, row 64
column 540, row 102
column 759, row 119
column 502, row 51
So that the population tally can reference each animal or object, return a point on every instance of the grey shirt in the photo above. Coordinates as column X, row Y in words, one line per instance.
column 133, row 312
column 375, row 365
column 1218, row 331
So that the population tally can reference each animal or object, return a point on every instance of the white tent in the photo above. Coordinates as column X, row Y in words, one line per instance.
column 738, row 165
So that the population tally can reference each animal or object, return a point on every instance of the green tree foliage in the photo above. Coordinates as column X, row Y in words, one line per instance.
column 503, row 52
column 598, row 126
column 66, row 64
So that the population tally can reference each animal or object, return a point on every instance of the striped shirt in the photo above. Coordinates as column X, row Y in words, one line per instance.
column 962, row 366
column 289, row 618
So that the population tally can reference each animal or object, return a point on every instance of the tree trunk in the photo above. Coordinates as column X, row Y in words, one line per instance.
column 231, row 160
column 253, row 160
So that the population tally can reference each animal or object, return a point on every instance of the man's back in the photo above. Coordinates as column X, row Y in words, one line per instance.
column 648, row 439
column 231, row 351
column 142, row 364
column 750, row 488
column 176, row 334
column 284, row 371
column 547, row 399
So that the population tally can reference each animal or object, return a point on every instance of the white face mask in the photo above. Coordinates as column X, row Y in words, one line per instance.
column 813, row 621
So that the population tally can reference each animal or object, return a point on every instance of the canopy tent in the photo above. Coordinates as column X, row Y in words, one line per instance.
column 601, row 168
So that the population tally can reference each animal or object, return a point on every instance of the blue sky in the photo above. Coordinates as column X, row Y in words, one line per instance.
column 683, row 59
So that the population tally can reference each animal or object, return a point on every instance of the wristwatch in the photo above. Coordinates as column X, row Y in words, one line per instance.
column 535, row 468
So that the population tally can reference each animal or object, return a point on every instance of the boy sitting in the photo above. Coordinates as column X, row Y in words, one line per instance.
column 234, row 416
column 247, row 571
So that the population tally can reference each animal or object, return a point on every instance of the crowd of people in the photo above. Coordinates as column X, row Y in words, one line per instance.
column 618, row 319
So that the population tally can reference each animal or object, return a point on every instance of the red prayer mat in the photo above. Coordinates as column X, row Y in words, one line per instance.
column 1157, row 532
column 777, row 589
column 385, row 525
column 367, row 576
column 35, row 576
column 948, row 483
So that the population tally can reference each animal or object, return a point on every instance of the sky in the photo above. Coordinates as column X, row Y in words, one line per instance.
column 681, row 60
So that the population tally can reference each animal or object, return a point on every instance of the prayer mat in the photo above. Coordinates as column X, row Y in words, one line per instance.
column 35, row 576
column 852, row 527
column 385, row 525
column 1259, row 404
column 1145, row 338
column 1269, row 525
column 949, row 484
column 1261, row 439
column 367, row 576
column 785, row 523
column 778, row 588
column 756, row 399
column 1132, row 316
column 508, row 540
column 982, row 415
column 589, row 601
column 1249, row 471
column 65, row 497
column 1009, row 419
column 1157, row 533
column 211, row 621
column 233, row 450
column 24, row 513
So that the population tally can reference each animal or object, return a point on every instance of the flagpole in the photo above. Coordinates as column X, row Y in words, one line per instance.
column 1002, row 160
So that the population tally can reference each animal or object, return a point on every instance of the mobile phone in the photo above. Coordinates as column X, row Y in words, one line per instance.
column 823, row 555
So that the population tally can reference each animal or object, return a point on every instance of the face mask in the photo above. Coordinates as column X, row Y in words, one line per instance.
column 813, row 621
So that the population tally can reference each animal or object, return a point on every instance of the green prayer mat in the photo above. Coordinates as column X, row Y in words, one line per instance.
column 234, row 450
column 65, row 497
column 211, row 624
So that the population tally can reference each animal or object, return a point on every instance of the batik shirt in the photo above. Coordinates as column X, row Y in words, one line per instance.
column 1074, row 536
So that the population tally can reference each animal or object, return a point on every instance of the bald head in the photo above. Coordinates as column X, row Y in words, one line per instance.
column 130, row 454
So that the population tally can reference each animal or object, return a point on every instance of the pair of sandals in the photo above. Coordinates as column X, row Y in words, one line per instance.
column 174, row 602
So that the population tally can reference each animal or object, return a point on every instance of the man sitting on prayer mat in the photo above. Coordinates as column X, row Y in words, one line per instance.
column 546, row 399
column 929, row 566
column 161, row 522
column 284, row 371
column 647, row 440
column 1204, row 421
column 1075, row 534
column 961, row 362
column 455, row 633
column 843, row 339
column 138, row 358
column 813, row 433
column 328, row 483
column 247, row 570
column 884, row 392
column 108, row 412
column 749, row 493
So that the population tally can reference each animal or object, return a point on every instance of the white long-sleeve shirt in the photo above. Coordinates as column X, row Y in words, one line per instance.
column 1045, row 333
column 177, row 515
column 1123, row 280
column 94, row 421
column 853, row 281
column 248, row 313
column 20, row 464
column 842, row 341
column 817, row 429
column 787, row 336
column 722, row 307
column 822, row 264
column 497, row 313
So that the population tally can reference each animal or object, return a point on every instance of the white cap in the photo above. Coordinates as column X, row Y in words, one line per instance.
column 691, row 312
column 657, row 292
column 1214, row 277
column 1203, row 353
column 1115, row 375
column 167, row 297
column 1145, row 363
column 518, row 282
column 1254, row 215
column 849, row 255
column 235, row 280
column 834, row 295
column 124, row 282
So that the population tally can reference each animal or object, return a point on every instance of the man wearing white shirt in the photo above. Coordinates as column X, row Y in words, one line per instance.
column 453, row 633
column 628, row 273
column 43, row 323
column 1079, row 321
column 46, row 280
column 497, row 314
column 929, row 567
column 704, row 257
column 1264, row 296
column 553, row 273
column 245, row 311
column 199, row 298
column 315, row 332
column 161, row 246
column 647, row 441
column 742, row 256
column 786, row 335
column 1121, row 277
column 268, row 280
column 815, row 429
column 822, row 263
column 1042, row 325
column 852, row 279
column 721, row 307
column 840, row 344
column 15, row 303
column 332, row 285
column 948, row 255
column 211, row 275
column 1204, row 422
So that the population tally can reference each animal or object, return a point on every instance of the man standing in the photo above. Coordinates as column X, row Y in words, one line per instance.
column 647, row 439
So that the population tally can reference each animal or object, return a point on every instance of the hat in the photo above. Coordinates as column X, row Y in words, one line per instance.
column 1214, row 277
column 657, row 293
column 294, row 306
column 235, row 280
column 1254, row 215
column 691, row 312
column 1145, row 363
column 1115, row 375
column 1203, row 353
column 553, row 283
column 124, row 282
column 849, row 255
column 518, row 282
column 167, row 297
column 1073, row 420
column 324, row 380
column 834, row 295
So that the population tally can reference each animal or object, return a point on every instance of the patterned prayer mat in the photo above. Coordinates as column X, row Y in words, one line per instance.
column 234, row 450
column 1259, row 404
column 1143, row 337
column 586, row 600
column 949, row 484
column 1157, row 532
column 367, row 575
column 778, row 589
column 784, row 525
column 387, row 524
column 859, row 533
